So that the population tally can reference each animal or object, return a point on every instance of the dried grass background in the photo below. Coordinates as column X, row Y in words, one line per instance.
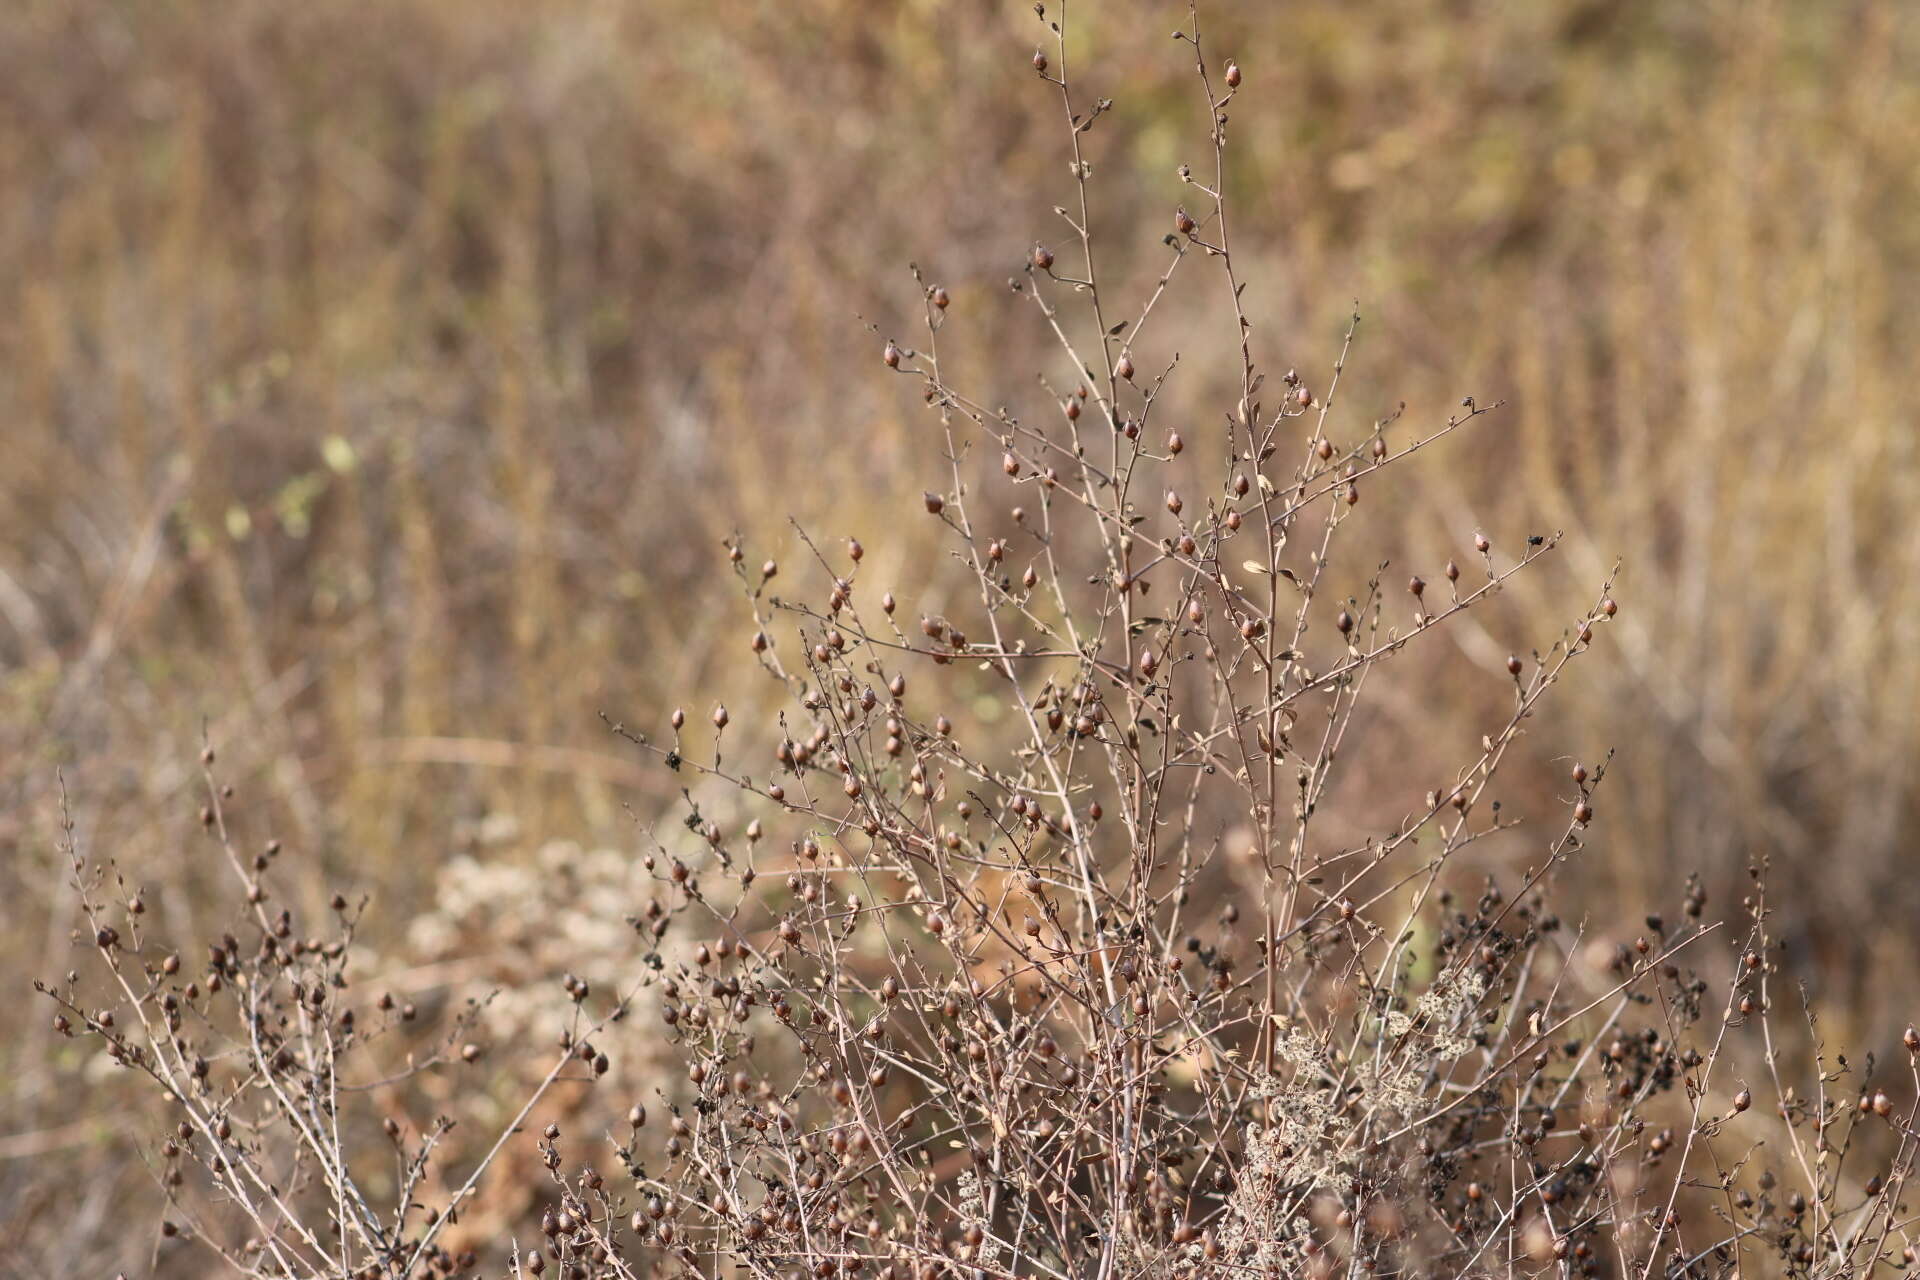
column 379, row 382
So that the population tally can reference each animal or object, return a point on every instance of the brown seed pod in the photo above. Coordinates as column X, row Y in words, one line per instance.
column 1174, row 443
column 940, row 298
column 1042, row 256
column 1182, row 223
column 1123, row 367
column 935, row 503
column 1039, row 62
column 891, row 355
column 1233, row 75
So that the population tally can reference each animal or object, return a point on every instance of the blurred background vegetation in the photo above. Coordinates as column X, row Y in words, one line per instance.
column 381, row 380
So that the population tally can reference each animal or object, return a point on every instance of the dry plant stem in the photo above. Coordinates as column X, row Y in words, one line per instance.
column 169, row 1071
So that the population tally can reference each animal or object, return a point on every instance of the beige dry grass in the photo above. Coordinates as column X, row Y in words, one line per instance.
column 379, row 386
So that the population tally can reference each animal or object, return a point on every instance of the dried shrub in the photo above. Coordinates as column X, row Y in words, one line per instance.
column 1032, row 937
